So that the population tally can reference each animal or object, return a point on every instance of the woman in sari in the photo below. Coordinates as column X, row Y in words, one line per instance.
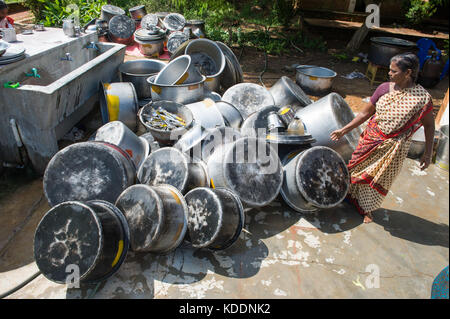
column 396, row 110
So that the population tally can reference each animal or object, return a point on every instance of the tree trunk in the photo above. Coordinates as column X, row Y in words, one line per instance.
column 359, row 36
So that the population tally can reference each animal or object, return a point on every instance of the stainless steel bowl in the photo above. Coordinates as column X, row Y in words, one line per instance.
column 137, row 72
column 184, row 93
column 210, row 60
column 315, row 80
column 179, row 71
column 162, row 136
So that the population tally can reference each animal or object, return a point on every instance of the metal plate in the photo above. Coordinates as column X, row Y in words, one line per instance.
column 248, row 98
column 234, row 60
column 174, row 22
column 13, row 51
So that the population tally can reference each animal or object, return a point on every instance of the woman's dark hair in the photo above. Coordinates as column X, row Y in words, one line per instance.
column 407, row 61
column 3, row 5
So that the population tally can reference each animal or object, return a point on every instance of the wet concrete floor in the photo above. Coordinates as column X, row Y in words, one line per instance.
column 280, row 254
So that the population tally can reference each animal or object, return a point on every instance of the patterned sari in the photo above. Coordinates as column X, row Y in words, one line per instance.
column 384, row 144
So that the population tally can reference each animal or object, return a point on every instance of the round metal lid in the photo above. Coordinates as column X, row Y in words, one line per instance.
column 167, row 165
column 149, row 20
column 174, row 22
column 150, row 34
column 205, row 214
column 254, row 176
column 176, row 40
column 248, row 98
column 85, row 171
column 322, row 177
column 122, row 26
column 69, row 234
column 113, row 9
column 143, row 210
column 393, row 41
column 13, row 52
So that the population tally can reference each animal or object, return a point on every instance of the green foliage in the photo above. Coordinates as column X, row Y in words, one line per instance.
column 51, row 13
column 418, row 10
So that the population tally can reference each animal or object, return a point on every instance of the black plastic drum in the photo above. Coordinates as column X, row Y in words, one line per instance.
column 91, row 237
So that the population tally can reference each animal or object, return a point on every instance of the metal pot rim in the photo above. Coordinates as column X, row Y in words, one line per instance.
column 151, row 79
column 300, row 69
column 122, row 66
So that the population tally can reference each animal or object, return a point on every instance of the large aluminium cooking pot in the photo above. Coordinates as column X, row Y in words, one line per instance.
column 326, row 115
column 315, row 80
column 137, row 72
column 383, row 49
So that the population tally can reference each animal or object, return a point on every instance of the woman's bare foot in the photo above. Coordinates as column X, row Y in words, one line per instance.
column 368, row 218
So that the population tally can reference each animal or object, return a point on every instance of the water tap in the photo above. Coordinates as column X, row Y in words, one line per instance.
column 67, row 57
column 92, row 45
column 34, row 73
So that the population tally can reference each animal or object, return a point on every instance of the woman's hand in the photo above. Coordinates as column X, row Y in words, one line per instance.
column 336, row 135
column 425, row 161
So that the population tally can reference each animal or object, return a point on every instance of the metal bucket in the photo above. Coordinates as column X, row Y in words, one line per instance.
column 138, row 12
column 118, row 134
column 315, row 80
column 157, row 217
column 184, row 93
column 121, row 29
column 250, row 168
column 170, row 166
column 162, row 136
column 209, row 59
column 206, row 114
column 315, row 178
column 326, row 115
column 286, row 93
column 87, row 171
column 215, row 218
column 119, row 102
column 151, row 48
column 92, row 236
column 442, row 150
column 109, row 11
column 248, row 98
column 137, row 72
column 230, row 113
column 179, row 71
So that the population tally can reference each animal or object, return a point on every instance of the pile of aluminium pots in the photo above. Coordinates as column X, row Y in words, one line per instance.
column 120, row 192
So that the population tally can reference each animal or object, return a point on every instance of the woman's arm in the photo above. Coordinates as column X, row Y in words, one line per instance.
column 428, row 125
column 363, row 116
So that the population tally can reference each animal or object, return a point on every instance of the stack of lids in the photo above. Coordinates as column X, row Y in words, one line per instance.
column 153, row 33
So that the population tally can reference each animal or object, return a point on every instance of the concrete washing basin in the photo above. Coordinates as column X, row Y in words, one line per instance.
column 47, row 107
